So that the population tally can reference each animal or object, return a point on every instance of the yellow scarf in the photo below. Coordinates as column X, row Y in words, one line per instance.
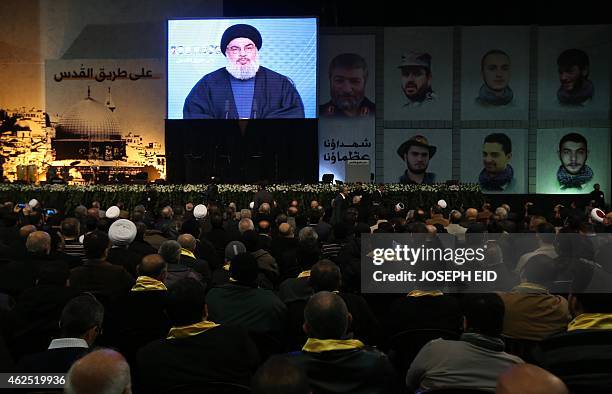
column 188, row 253
column 146, row 283
column 591, row 321
column 191, row 330
column 421, row 293
column 304, row 274
column 314, row 345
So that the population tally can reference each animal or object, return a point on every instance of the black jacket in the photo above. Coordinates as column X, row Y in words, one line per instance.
column 356, row 371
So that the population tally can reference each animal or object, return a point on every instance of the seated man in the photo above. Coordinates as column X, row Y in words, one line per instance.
column 333, row 363
column 582, row 356
column 196, row 350
column 279, row 375
column 241, row 303
column 100, row 372
column 531, row 312
column 97, row 274
column 140, row 317
column 475, row 361
column 80, row 325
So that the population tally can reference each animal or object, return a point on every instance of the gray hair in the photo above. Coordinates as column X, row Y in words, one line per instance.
column 103, row 371
column 308, row 233
column 171, row 251
column 501, row 212
column 245, row 224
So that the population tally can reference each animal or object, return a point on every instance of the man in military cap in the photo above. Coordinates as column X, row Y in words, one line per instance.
column 415, row 70
column 243, row 89
column 417, row 152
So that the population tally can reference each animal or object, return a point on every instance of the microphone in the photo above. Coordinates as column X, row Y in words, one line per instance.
column 226, row 109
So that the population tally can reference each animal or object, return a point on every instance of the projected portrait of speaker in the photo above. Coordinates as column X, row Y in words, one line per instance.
column 243, row 89
column 495, row 71
column 416, row 152
column 497, row 174
column 415, row 69
column 576, row 89
column 348, row 75
column 573, row 154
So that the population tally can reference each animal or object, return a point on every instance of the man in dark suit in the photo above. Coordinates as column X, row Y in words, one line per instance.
column 80, row 325
column 340, row 204
column 188, row 258
column 196, row 350
column 98, row 275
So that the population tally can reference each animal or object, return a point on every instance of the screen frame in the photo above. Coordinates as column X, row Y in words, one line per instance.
column 166, row 49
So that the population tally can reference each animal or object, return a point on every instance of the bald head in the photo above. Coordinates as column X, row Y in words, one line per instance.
column 102, row 371
column 292, row 211
column 167, row 213
column 25, row 231
column 187, row 241
column 529, row 379
column 471, row 214
column 39, row 242
column 153, row 266
column 326, row 316
column 285, row 230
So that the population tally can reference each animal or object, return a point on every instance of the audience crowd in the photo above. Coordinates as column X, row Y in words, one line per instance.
column 267, row 299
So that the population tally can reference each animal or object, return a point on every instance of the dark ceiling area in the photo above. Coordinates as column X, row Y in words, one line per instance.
column 425, row 13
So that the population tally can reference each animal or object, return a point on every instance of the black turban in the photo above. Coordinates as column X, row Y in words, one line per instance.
column 237, row 31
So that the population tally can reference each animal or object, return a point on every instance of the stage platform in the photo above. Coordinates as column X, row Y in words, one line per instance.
column 154, row 197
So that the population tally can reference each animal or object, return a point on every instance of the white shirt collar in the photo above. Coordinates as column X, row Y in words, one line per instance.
column 61, row 343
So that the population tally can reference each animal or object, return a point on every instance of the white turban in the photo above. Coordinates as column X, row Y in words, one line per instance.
column 598, row 215
column 442, row 204
column 122, row 232
column 33, row 203
column 113, row 212
column 200, row 211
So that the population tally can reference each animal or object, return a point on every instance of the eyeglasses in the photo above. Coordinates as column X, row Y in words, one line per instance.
column 234, row 50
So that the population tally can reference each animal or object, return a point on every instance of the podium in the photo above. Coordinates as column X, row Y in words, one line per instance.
column 357, row 171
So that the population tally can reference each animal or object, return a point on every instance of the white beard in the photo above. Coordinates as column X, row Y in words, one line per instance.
column 243, row 72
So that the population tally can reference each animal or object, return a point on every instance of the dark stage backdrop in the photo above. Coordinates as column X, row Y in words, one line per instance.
column 242, row 151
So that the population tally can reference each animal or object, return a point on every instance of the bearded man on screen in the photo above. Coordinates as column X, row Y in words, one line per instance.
column 243, row 89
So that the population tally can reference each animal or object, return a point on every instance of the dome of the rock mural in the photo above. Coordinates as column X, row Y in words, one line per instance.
column 89, row 119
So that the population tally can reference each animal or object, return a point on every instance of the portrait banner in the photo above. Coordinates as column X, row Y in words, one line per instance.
column 495, row 73
column 574, row 72
column 418, row 73
column 495, row 159
column 418, row 156
column 347, row 111
column 573, row 160
column 106, row 113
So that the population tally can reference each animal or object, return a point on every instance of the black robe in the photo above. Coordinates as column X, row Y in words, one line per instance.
column 212, row 97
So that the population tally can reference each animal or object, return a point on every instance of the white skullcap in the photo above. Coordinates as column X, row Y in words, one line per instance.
column 122, row 232
column 598, row 215
column 251, row 205
column 33, row 203
column 113, row 212
column 200, row 211
column 442, row 204
column 399, row 206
